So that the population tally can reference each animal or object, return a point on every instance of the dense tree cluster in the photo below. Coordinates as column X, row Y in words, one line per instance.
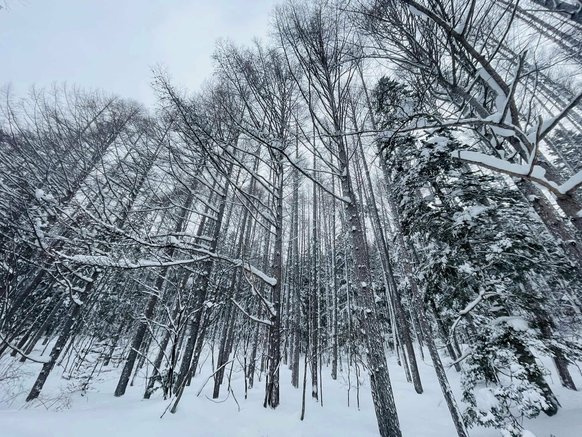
column 381, row 175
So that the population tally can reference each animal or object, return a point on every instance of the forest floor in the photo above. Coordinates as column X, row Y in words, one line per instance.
column 63, row 410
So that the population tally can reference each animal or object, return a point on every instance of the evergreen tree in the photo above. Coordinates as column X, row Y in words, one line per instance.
column 493, row 271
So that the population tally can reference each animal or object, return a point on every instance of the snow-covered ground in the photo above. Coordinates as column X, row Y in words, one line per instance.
column 64, row 412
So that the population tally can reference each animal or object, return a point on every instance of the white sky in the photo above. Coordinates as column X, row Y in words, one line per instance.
column 114, row 44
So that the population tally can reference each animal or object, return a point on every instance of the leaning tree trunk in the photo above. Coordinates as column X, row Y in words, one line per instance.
column 64, row 336
column 186, row 366
column 151, row 306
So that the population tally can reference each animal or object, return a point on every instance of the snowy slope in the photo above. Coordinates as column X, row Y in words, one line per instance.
column 98, row 413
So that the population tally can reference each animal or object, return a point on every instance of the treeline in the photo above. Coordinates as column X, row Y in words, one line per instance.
column 379, row 175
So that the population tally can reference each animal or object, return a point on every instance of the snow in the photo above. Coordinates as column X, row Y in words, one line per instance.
column 63, row 411
column 491, row 162
column 76, row 298
column 466, row 268
column 124, row 263
column 39, row 194
column 438, row 140
column 538, row 172
column 501, row 131
column 42, row 195
column 535, row 172
column 571, row 183
column 471, row 305
column 498, row 247
column 486, row 399
column 261, row 275
column 250, row 316
column 468, row 215
column 515, row 322
column 500, row 95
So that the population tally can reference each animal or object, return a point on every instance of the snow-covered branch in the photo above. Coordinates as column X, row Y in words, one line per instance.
column 124, row 263
column 23, row 354
column 268, row 304
column 253, row 318
column 530, row 171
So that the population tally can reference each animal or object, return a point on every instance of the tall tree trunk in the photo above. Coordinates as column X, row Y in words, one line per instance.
column 314, row 295
column 296, row 284
column 381, row 387
column 272, row 395
column 402, row 324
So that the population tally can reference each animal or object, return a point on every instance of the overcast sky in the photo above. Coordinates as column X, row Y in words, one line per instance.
column 113, row 44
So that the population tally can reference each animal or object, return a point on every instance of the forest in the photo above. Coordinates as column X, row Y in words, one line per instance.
column 380, row 190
